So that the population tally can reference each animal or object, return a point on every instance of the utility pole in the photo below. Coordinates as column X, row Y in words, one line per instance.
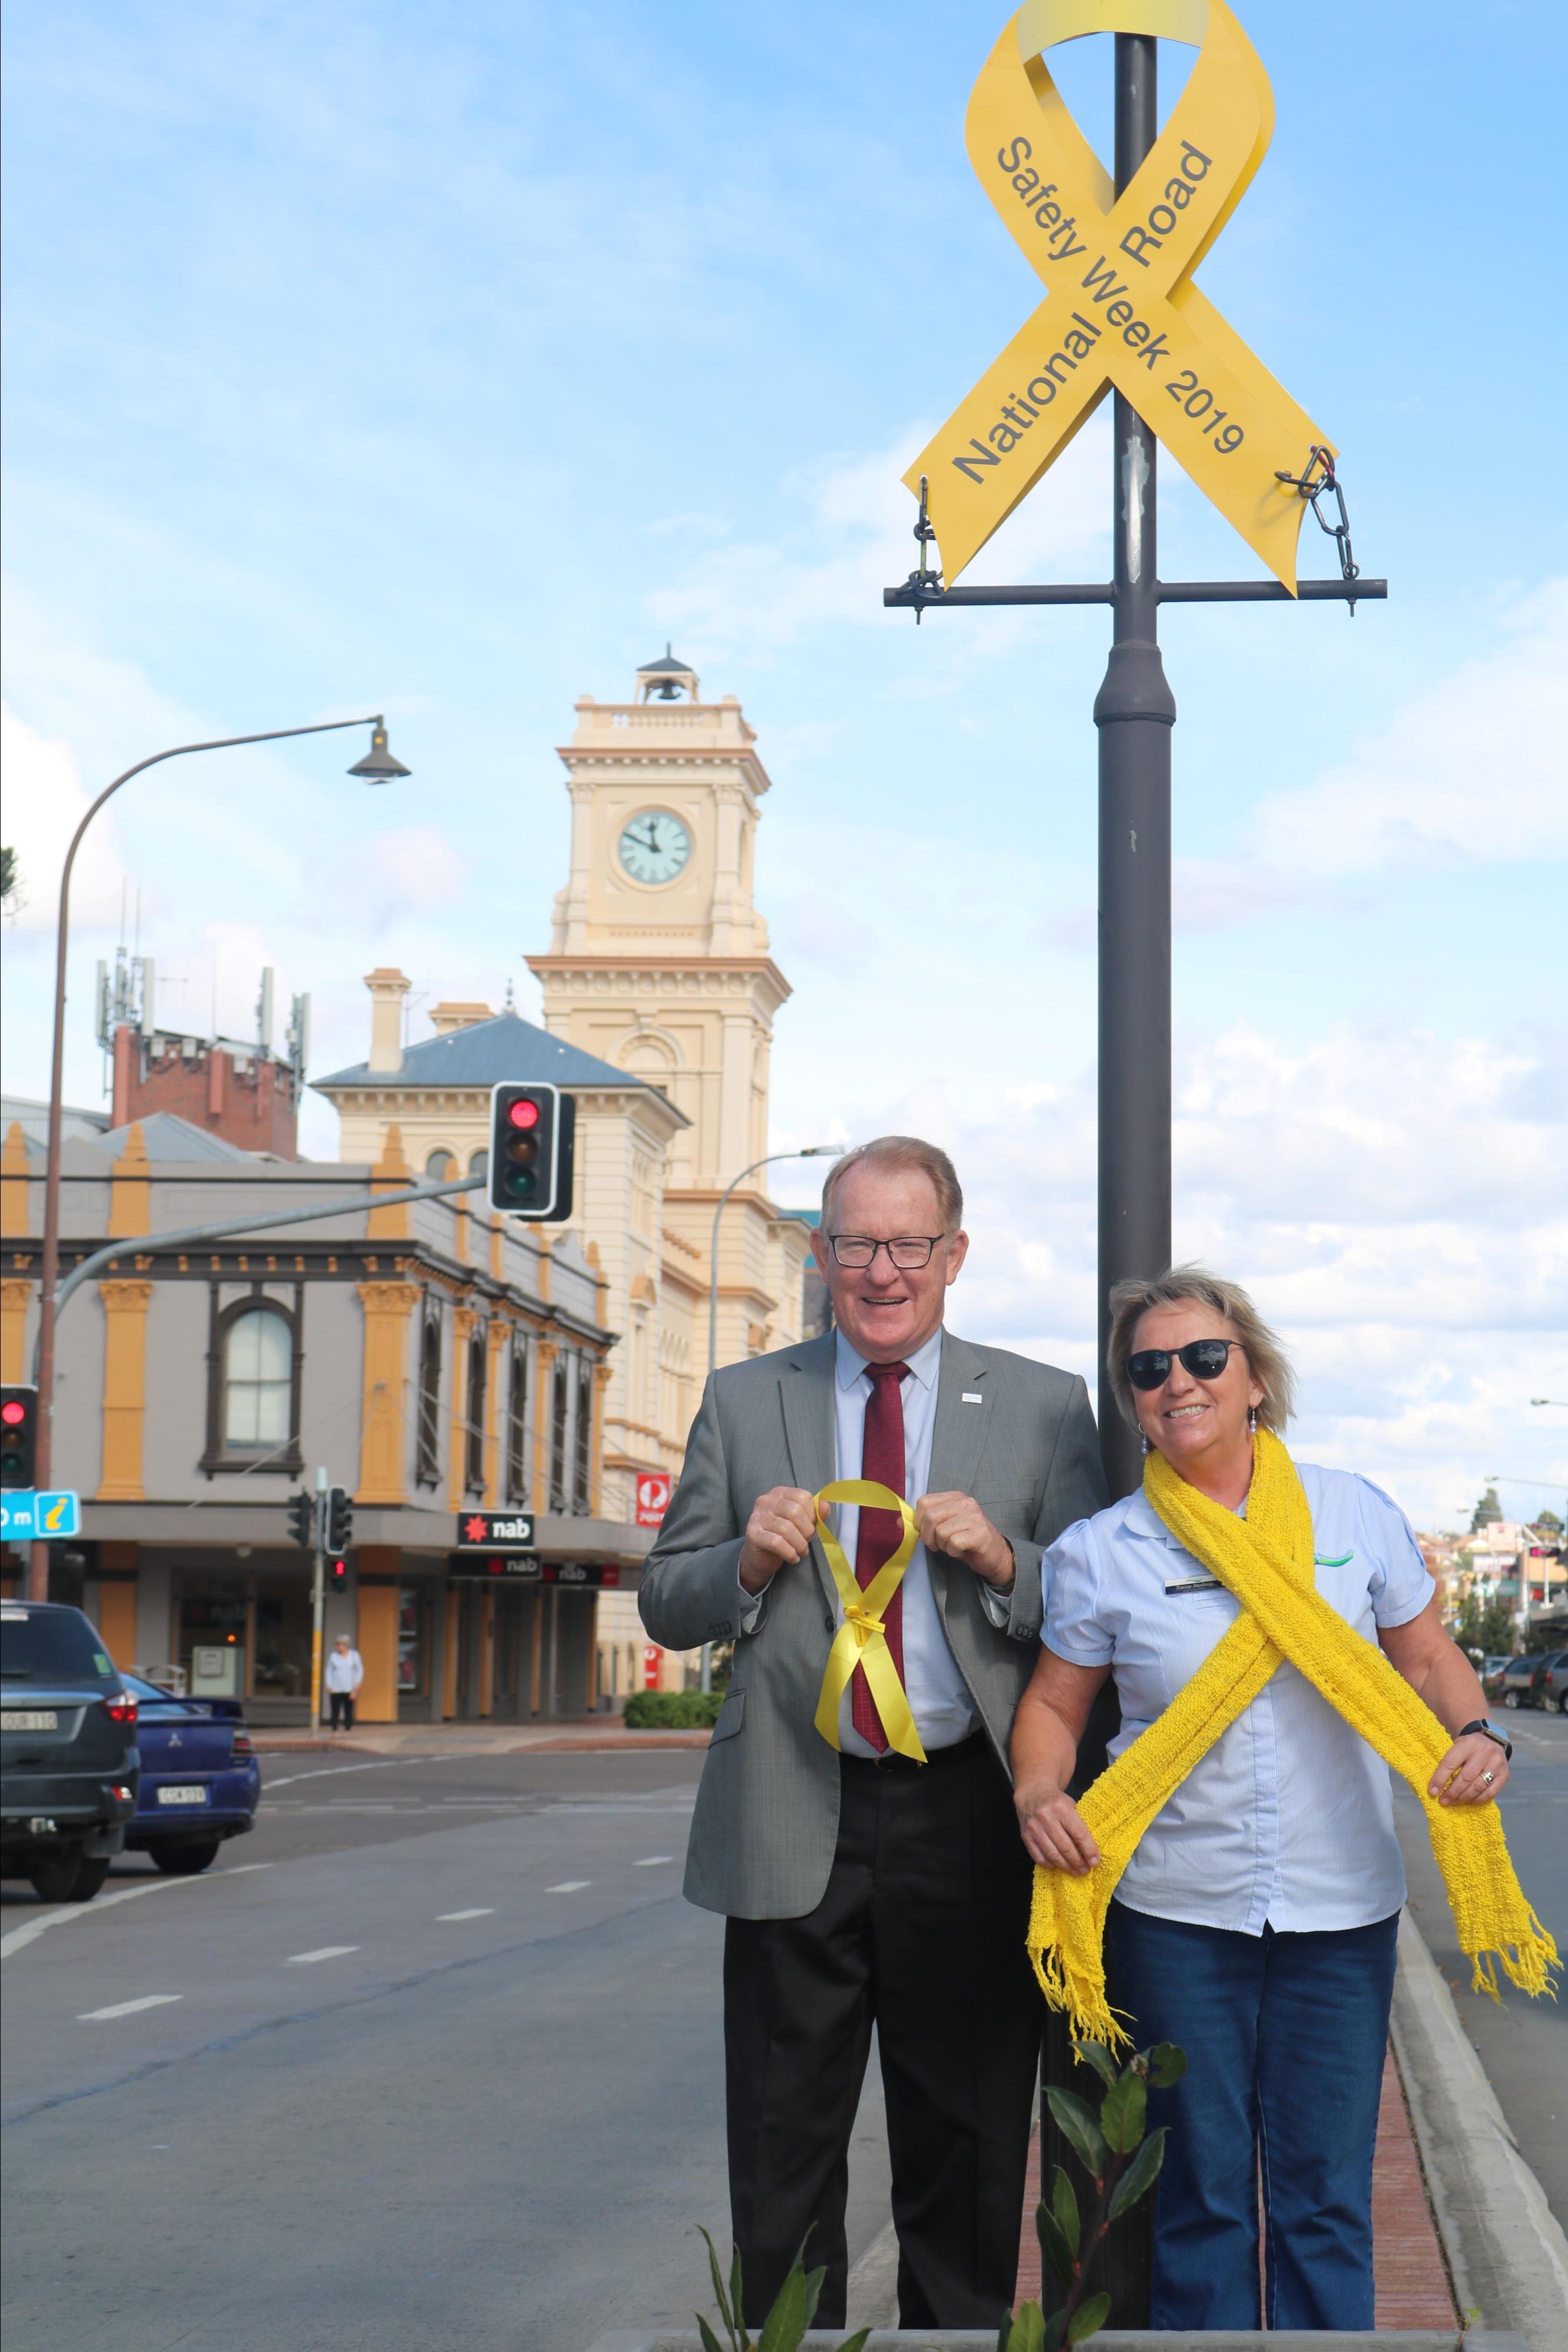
column 318, row 1598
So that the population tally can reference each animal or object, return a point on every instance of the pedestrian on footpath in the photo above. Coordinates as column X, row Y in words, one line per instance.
column 853, row 1821
column 1277, row 1644
column 345, row 1672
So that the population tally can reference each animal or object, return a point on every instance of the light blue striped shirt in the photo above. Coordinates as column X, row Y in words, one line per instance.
column 1288, row 1821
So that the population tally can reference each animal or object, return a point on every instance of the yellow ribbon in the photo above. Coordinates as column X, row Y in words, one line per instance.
column 1122, row 307
column 862, row 1639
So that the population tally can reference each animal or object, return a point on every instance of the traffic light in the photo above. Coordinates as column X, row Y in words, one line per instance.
column 302, row 1520
column 339, row 1526
column 337, row 1575
column 18, row 1436
column 532, row 1136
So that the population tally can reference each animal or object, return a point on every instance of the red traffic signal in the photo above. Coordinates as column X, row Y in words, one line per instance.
column 18, row 1437
column 532, row 1129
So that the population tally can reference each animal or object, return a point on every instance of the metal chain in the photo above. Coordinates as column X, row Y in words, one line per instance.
column 1313, row 488
column 926, row 583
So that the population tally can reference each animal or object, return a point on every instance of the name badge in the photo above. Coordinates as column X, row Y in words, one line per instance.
column 1197, row 1584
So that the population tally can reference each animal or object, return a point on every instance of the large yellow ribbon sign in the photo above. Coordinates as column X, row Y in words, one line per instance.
column 862, row 1640
column 1121, row 306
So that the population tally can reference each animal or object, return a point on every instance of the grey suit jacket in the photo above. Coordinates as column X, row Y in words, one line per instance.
column 766, row 1814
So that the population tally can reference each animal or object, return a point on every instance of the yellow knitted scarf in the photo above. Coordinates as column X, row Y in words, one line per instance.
column 1266, row 1560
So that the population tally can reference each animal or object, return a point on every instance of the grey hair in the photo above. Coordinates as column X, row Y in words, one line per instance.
column 1194, row 1285
column 901, row 1153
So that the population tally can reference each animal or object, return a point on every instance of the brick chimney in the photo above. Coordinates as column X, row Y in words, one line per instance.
column 388, row 988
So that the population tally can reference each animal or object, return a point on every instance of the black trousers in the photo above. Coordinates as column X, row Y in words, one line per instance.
column 342, row 1710
column 921, row 1932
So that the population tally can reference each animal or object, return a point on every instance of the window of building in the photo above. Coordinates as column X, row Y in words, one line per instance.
column 413, row 1643
column 583, row 1447
column 427, row 1469
column 560, row 1400
column 473, row 1433
column 439, row 1163
column 253, row 1384
column 258, row 1377
column 518, row 1480
column 479, row 1162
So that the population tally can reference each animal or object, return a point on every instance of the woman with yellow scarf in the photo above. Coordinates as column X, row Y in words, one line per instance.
column 1233, row 1882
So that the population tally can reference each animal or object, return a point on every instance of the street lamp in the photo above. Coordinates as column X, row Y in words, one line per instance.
column 378, row 767
column 807, row 1152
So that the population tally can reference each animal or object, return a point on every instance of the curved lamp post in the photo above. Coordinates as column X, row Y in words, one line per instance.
column 377, row 767
column 807, row 1152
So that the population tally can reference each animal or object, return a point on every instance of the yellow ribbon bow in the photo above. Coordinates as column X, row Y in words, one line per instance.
column 862, row 1639
column 1122, row 307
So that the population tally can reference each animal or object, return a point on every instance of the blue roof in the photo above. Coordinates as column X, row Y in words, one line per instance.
column 505, row 1050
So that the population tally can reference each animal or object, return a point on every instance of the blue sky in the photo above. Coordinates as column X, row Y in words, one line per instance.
column 448, row 360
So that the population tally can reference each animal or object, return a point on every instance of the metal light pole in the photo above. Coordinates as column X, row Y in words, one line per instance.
column 807, row 1152
column 378, row 767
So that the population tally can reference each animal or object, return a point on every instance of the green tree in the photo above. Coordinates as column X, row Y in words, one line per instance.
column 1484, row 1628
column 1488, row 1512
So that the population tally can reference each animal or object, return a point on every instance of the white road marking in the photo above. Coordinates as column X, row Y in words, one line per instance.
column 327, row 1952
column 647, row 1861
column 486, row 1911
column 569, row 1886
column 128, row 2007
column 20, row 1937
column 327, row 1771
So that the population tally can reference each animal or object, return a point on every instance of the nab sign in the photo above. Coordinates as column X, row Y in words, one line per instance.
column 496, row 1530
column 652, row 1497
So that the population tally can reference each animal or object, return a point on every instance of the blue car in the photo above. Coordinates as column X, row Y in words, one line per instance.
column 201, row 1782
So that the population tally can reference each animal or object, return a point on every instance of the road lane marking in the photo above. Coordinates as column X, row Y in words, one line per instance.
column 569, row 1886
column 648, row 1861
column 20, row 1937
column 327, row 1771
column 128, row 2007
column 327, row 1952
column 486, row 1911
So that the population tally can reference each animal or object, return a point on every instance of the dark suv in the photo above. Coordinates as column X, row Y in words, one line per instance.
column 69, row 1765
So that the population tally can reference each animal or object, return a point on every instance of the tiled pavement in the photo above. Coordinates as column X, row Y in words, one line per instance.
column 1412, row 2283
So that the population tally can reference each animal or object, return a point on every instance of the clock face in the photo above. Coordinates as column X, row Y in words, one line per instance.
column 654, row 845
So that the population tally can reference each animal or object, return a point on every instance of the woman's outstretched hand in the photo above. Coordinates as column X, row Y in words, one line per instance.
column 1053, row 1829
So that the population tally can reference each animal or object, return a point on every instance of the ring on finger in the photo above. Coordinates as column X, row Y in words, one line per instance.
column 1486, row 1780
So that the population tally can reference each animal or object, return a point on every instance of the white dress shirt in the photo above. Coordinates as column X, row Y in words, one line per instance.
column 939, row 1695
column 1288, row 1820
column 345, row 1670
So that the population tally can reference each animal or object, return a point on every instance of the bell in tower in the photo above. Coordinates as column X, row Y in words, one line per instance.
column 666, row 680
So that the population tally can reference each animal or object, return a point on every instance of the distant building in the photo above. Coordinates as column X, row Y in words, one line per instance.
column 436, row 1361
column 660, row 996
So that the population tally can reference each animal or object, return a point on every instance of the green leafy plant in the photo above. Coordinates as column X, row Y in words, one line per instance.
column 1122, row 2157
column 794, row 2309
column 672, row 1710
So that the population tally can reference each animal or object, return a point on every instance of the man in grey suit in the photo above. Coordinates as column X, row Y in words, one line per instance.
column 862, row 1887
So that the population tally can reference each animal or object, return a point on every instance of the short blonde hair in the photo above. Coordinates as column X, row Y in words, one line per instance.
column 898, row 1154
column 1184, row 1285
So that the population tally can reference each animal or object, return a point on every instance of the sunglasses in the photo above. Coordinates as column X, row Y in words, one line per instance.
column 1204, row 1359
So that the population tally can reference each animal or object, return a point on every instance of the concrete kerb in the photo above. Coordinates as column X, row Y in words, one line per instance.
column 1125, row 2339
column 1506, row 2251
column 590, row 1737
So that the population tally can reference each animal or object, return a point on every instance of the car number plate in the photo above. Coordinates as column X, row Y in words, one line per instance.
column 181, row 1796
column 32, row 1718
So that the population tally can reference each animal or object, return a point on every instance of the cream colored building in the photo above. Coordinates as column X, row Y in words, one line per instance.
column 659, row 1000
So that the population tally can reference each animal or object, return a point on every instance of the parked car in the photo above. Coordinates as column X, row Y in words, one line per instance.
column 68, row 1762
column 1519, row 1678
column 200, row 1781
column 1491, row 1671
column 1553, row 1687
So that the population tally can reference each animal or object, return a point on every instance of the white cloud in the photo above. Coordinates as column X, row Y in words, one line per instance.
column 416, row 867
column 853, row 537
column 45, row 801
column 1475, row 769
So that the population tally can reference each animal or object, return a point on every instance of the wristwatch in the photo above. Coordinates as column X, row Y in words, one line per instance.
column 1488, row 1731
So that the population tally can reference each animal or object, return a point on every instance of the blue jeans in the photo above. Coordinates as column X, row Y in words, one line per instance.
column 1285, row 2037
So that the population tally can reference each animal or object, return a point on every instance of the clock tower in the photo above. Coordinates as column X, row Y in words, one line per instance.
column 659, row 964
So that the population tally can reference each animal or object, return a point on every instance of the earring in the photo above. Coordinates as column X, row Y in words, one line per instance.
column 1144, row 1444
column 1252, row 1420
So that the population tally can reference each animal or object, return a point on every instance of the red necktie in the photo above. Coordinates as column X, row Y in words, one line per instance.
column 879, row 1532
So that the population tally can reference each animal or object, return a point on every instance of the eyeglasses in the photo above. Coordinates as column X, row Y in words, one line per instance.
column 857, row 1251
column 1204, row 1359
